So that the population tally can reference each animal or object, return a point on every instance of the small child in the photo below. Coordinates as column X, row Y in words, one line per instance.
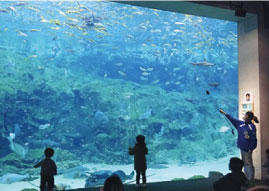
column 48, row 170
column 232, row 181
column 266, row 165
column 140, row 165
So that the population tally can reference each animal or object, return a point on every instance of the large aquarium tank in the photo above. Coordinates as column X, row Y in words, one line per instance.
column 86, row 78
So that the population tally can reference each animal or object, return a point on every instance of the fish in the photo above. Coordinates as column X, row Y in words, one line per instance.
column 130, row 36
column 42, row 20
column 99, row 26
column 40, row 68
column 156, row 81
column 45, row 126
column 17, row 148
column 179, row 23
column 156, row 14
column 13, row 9
column 143, row 27
column 156, row 31
column 137, row 13
column 12, row 178
column 55, row 21
column 62, row 13
column 214, row 84
column 202, row 64
column 73, row 19
column 123, row 117
column 145, row 73
column 20, row 33
column 33, row 9
column 60, row 3
column 122, row 73
column 70, row 11
column 35, row 30
column 224, row 129
column 143, row 69
column 20, row 3
column 177, row 31
column 167, row 83
column 144, row 45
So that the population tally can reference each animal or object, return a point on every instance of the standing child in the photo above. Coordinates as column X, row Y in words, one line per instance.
column 48, row 170
column 140, row 165
column 266, row 165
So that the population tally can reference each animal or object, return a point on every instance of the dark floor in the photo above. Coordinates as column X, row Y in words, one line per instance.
column 185, row 185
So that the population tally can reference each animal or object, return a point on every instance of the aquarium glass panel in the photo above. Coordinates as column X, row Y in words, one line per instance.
column 86, row 78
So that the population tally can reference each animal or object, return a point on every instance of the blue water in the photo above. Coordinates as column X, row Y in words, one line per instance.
column 87, row 77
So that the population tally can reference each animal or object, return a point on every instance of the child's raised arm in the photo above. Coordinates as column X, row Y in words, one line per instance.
column 38, row 164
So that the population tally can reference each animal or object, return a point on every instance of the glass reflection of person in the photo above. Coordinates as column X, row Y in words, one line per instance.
column 247, row 140
column 247, row 97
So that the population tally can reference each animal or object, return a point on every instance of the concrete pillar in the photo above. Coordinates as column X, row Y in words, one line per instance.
column 263, row 41
column 248, row 74
column 253, row 72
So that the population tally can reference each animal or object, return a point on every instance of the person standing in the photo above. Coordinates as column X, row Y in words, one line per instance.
column 48, row 170
column 246, row 141
column 140, row 165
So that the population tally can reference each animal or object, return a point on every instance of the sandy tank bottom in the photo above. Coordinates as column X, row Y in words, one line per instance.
column 155, row 175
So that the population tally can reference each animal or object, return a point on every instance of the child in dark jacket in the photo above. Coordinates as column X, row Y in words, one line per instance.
column 140, row 165
column 48, row 170
column 235, row 181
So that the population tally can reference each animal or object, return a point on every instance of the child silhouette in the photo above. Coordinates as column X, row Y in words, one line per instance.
column 48, row 170
column 140, row 165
